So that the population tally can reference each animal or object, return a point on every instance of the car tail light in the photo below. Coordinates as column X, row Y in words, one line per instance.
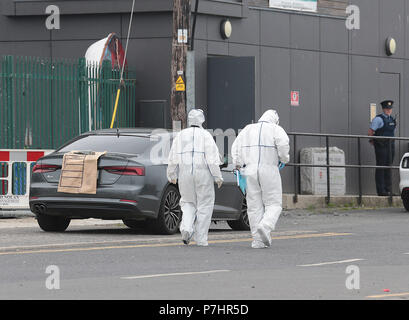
column 128, row 171
column 42, row 168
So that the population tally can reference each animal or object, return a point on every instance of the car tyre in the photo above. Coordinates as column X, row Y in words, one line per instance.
column 170, row 214
column 134, row 224
column 242, row 224
column 405, row 201
column 52, row 223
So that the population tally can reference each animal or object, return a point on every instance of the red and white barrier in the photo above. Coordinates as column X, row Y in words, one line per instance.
column 8, row 176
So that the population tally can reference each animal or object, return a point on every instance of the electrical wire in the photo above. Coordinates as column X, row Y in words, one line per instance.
column 123, row 66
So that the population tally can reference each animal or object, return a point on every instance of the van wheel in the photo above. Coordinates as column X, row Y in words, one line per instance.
column 52, row 223
column 242, row 224
column 170, row 214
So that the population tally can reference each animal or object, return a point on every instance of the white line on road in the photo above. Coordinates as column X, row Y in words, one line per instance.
column 147, row 240
column 145, row 244
column 327, row 263
column 172, row 274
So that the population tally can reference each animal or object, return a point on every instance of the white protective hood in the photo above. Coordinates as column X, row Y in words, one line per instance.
column 270, row 116
column 195, row 118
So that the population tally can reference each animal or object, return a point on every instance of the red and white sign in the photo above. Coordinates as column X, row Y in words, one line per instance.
column 20, row 155
column 295, row 98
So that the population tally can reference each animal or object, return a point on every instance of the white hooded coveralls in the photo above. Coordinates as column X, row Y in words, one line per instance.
column 257, row 150
column 194, row 160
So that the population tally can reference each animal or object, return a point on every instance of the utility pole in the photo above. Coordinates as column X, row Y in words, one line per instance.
column 180, row 43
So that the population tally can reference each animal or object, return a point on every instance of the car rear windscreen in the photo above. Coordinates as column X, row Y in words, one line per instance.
column 110, row 143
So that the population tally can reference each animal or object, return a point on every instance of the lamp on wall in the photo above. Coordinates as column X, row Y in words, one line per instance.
column 226, row 29
column 390, row 46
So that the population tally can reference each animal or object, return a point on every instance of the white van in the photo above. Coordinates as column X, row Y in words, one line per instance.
column 404, row 180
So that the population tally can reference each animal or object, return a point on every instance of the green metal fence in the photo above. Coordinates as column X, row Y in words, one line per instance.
column 44, row 103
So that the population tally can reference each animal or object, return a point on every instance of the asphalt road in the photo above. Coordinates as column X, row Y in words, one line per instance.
column 338, row 255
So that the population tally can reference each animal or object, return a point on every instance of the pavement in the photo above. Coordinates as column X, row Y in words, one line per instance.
column 351, row 201
column 317, row 203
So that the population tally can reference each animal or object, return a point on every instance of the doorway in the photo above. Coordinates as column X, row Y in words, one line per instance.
column 230, row 92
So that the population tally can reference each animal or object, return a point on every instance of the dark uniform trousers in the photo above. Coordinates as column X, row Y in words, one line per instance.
column 384, row 153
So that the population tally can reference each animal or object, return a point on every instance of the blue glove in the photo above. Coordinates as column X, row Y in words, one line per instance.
column 281, row 165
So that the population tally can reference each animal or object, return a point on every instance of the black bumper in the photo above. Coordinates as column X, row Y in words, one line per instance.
column 84, row 208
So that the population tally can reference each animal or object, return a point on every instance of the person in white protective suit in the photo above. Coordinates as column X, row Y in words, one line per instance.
column 257, row 152
column 194, row 160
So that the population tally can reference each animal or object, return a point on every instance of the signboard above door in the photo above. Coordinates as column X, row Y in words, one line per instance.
column 302, row 5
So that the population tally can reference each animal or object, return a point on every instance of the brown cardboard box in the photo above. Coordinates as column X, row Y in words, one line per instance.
column 79, row 172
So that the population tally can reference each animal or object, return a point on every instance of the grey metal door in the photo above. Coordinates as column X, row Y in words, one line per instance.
column 230, row 92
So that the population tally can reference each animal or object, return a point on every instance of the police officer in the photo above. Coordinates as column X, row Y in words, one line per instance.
column 384, row 125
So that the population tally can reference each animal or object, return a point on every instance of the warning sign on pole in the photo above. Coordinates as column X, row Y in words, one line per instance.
column 180, row 84
column 295, row 98
column 182, row 35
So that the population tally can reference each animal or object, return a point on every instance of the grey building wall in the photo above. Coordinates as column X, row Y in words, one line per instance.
column 339, row 73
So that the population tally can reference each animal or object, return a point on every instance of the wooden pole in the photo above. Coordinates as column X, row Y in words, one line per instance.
column 181, row 23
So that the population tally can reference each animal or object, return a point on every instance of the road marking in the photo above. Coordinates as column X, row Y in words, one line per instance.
column 66, row 244
column 328, row 263
column 172, row 274
column 302, row 236
column 170, row 244
column 316, row 235
column 389, row 295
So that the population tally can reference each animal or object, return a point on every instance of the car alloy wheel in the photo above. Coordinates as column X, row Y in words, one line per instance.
column 244, row 215
column 172, row 211
column 243, row 222
column 170, row 214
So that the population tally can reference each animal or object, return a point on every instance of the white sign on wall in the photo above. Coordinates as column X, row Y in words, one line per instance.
column 303, row 5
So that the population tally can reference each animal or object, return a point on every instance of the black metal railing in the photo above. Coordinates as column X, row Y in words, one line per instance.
column 297, row 165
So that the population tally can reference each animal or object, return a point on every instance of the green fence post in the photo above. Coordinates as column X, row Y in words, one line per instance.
column 50, row 76
column 83, row 104
column 2, row 105
column 105, row 92
column 9, row 102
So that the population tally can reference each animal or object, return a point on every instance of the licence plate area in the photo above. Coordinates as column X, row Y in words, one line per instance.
column 104, row 177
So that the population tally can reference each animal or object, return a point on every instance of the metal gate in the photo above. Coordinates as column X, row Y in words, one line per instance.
column 44, row 103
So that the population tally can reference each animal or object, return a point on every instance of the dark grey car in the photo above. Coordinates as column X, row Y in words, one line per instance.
column 132, row 185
